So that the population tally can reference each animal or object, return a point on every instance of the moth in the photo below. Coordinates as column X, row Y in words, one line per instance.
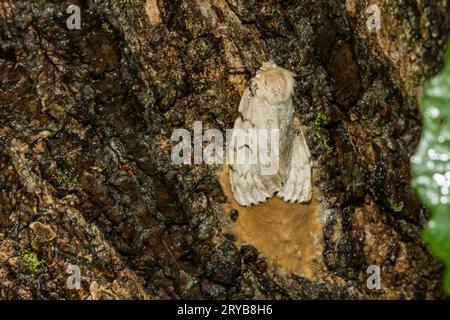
column 266, row 105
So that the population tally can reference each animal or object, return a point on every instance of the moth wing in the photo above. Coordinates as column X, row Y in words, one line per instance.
column 297, row 187
column 247, row 184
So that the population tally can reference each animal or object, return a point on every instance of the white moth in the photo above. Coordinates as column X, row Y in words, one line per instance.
column 267, row 105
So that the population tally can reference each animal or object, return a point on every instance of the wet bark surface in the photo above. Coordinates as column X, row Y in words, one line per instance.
column 86, row 118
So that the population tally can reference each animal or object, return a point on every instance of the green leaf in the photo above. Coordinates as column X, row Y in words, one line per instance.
column 431, row 165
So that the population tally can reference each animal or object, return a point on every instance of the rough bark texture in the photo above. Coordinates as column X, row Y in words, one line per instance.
column 86, row 118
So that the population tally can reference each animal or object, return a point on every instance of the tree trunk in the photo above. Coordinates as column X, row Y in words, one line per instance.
column 86, row 176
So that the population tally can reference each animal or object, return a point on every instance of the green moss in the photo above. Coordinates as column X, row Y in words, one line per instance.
column 327, row 145
column 351, row 273
column 318, row 121
column 32, row 262
column 320, row 118
column 32, row 267
column 397, row 206
column 107, row 27
column 67, row 179
column 202, row 48
column 91, row 109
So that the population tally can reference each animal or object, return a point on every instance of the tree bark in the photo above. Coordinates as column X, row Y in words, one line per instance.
column 86, row 176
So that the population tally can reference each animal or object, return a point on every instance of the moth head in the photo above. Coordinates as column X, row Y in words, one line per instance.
column 273, row 83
